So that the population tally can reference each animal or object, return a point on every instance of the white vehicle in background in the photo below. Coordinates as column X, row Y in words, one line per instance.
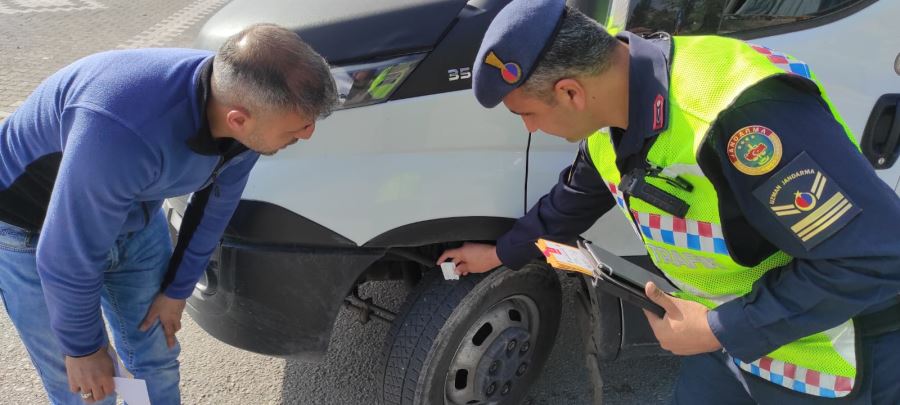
column 412, row 165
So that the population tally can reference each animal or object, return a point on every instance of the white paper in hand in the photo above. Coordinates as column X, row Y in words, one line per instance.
column 449, row 270
column 133, row 391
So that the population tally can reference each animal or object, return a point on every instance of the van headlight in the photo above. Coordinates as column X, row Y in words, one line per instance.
column 372, row 83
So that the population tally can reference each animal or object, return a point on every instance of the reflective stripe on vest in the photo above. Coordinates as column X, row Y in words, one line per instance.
column 707, row 76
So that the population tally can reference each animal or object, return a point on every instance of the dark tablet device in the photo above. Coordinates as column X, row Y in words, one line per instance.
column 626, row 280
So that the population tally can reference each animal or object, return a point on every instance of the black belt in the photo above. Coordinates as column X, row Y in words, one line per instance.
column 880, row 322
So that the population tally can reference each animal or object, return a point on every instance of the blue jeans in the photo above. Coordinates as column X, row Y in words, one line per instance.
column 712, row 378
column 134, row 272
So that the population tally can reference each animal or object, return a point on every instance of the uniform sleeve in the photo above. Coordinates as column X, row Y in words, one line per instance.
column 569, row 209
column 204, row 222
column 103, row 168
column 824, row 205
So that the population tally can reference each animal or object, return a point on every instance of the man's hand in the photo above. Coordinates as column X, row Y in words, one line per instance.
column 168, row 311
column 684, row 330
column 91, row 375
column 472, row 258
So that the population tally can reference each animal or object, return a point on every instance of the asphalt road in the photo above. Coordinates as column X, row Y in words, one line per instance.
column 215, row 373
column 39, row 37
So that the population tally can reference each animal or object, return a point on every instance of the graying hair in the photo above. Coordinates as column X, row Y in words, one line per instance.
column 269, row 68
column 582, row 48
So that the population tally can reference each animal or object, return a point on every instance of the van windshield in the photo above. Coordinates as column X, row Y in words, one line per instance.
column 700, row 17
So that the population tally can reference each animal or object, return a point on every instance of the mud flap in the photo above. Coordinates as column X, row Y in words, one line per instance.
column 599, row 320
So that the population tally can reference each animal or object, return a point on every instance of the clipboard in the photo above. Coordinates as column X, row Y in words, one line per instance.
column 609, row 273
column 625, row 279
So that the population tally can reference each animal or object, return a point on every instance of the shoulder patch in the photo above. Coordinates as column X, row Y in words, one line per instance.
column 806, row 201
column 754, row 150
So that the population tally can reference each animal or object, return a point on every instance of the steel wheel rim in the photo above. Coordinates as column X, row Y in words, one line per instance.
column 509, row 320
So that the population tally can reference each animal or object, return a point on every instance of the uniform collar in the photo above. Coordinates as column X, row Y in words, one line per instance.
column 203, row 142
column 648, row 90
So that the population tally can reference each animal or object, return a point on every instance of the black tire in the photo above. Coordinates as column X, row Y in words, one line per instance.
column 443, row 349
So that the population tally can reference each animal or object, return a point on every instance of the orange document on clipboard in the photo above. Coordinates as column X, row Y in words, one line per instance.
column 608, row 272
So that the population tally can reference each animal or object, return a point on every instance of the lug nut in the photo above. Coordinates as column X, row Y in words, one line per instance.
column 525, row 347
column 491, row 389
column 511, row 345
column 506, row 388
column 494, row 366
column 522, row 368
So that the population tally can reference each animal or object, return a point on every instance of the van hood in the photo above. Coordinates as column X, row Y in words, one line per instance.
column 342, row 31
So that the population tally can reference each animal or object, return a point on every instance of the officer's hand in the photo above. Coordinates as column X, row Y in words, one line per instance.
column 472, row 258
column 168, row 311
column 684, row 330
column 91, row 375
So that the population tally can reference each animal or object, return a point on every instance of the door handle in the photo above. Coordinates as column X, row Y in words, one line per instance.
column 881, row 137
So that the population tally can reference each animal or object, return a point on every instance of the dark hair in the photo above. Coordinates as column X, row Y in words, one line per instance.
column 267, row 67
column 582, row 48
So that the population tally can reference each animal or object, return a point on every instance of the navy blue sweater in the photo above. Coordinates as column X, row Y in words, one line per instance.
column 112, row 135
column 854, row 267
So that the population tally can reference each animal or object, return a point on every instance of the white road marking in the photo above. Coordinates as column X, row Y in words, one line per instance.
column 166, row 30
column 40, row 6
column 158, row 35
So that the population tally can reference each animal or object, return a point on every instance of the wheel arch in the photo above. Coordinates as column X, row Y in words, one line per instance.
column 443, row 230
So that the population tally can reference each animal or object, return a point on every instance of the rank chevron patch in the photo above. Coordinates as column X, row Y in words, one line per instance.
column 806, row 201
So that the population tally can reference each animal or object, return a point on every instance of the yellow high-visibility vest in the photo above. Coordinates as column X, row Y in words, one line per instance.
column 707, row 75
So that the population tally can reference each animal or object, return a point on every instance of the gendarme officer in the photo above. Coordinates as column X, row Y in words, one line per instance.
column 744, row 184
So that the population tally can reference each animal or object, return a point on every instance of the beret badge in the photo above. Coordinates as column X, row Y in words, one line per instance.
column 509, row 71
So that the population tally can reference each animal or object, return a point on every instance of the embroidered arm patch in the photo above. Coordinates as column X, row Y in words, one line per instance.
column 806, row 201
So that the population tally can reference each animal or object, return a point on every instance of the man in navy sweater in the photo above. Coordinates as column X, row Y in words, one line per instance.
column 85, row 163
